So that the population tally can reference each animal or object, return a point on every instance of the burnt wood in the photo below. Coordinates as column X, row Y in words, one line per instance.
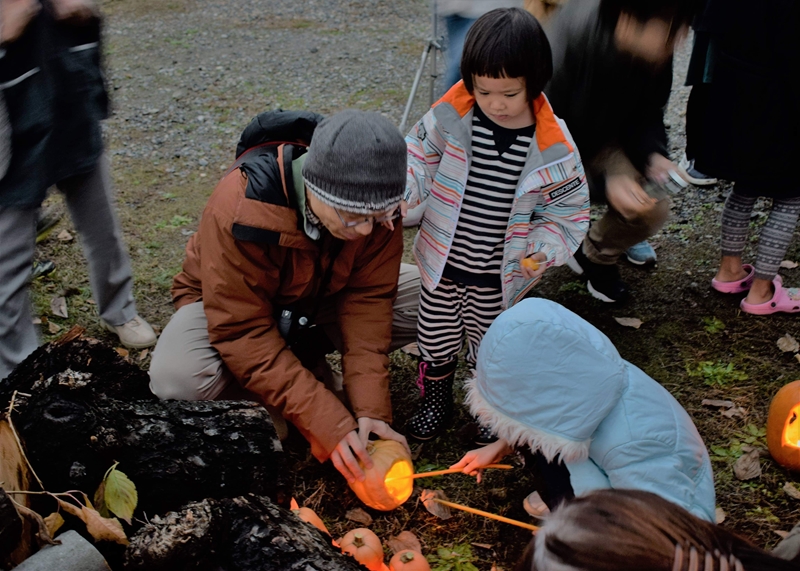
column 239, row 534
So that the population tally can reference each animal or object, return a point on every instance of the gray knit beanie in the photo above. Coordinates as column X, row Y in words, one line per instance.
column 357, row 162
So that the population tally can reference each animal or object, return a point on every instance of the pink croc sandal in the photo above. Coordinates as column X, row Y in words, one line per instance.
column 737, row 286
column 786, row 300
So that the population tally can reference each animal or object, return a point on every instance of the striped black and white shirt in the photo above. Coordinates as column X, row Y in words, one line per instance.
column 498, row 157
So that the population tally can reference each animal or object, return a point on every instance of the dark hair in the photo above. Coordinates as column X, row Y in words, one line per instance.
column 508, row 42
column 677, row 12
column 630, row 530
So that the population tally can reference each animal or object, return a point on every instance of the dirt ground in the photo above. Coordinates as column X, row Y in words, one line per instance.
column 692, row 340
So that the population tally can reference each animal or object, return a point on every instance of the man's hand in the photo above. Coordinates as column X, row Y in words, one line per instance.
column 474, row 461
column 353, row 448
column 15, row 15
column 627, row 196
column 659, row 167
column 75, row 10
column 525, row 267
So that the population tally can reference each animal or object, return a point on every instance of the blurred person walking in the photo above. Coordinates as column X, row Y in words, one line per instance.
column 53, row 86
column 612, row 76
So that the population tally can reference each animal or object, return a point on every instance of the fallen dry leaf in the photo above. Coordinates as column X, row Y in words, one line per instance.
column 719, row 515
column 788, row 344
column 359, row 516
column 43, row 536
column 629, row 322
column 481, row 545
column 735, row 411
column 780, row 533
column 143, row 354
column 788, row 264
column 437, row 509
column 748, row 467
column 791, row 491
column 797, row 356
column 53, row 522
column 411, row 349
column 122, row 352
column 53, row 328
column 64, row 236
column 717, row 403
column 37, row 321
column 404, row 540
column 58, row 306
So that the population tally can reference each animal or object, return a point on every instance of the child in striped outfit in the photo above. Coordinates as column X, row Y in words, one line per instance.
column 502, row 183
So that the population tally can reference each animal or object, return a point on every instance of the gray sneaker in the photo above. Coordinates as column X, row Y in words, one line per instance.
column 135, row 334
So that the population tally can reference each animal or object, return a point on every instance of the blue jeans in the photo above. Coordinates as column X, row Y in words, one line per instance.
column 457, row 28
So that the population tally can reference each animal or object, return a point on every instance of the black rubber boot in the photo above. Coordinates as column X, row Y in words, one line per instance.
column 436, row 408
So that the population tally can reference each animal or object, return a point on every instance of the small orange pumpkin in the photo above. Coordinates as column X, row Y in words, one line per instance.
column 387, row 484
column 365, row 546
column 783, row 426
column 309, row 516
column 531, row 264
column 409, row 560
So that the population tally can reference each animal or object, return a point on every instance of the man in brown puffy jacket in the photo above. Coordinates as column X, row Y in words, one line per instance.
column 297, row 253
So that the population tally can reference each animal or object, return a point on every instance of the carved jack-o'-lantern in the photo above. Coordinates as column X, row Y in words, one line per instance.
column 388, row 483
column 783, row 426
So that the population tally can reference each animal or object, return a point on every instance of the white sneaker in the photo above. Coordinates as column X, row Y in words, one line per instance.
column 534, row 505
column 693, row 175
column 135, row 334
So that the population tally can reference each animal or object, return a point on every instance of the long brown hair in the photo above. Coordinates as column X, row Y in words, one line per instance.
column 620, row 530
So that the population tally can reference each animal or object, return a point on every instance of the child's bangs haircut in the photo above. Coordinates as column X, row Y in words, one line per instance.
column 508, row 42
column 677, row 12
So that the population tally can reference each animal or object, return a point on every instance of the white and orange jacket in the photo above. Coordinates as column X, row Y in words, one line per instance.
column 550, row 211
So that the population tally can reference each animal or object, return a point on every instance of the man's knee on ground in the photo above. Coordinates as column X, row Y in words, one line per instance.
column 169, row 379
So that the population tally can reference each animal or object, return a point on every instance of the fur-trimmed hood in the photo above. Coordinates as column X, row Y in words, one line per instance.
column 546, row 378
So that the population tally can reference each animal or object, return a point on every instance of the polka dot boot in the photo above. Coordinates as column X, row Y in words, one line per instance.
column 436, row 408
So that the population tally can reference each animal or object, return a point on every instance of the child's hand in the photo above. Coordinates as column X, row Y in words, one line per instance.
column 659, row 167
column 628, row 197
column 533, row 266
column 474, row 461
column 76, row 11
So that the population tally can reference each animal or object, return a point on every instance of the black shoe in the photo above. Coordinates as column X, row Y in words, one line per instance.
column 602, row 280
column 436, row 408
column 484, row 436
column 41, row 269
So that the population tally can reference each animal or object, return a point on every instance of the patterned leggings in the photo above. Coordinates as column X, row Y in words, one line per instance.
column 452, row 312
column 775, row 236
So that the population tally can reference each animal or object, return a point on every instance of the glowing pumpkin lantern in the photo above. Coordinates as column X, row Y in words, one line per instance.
column 783, row 426
column 388, row 483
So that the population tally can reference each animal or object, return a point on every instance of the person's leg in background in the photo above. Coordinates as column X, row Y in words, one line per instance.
column 457, row 28
column 91, row 206
column 734, row 231
column 18, row 337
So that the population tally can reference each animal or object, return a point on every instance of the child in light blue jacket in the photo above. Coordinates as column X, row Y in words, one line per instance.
column 549, row 382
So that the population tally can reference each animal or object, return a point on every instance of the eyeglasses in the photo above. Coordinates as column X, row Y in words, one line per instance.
column 393, row 215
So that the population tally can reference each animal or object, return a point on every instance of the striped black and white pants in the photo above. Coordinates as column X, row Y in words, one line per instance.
column 776, row 235
column 452, row 313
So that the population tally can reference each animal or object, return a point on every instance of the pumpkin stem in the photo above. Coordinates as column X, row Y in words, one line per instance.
column 358, row 540
column 407, row 556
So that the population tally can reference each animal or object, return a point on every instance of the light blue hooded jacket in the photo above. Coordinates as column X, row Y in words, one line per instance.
column 547, row 379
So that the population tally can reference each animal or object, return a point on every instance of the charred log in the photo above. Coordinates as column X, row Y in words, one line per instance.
column 239, row 534
column 80, row 407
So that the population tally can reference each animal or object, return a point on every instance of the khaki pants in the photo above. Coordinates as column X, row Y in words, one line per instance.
column 186, row 367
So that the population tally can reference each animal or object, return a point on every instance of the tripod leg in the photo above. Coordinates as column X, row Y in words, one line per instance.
column 415, row 85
